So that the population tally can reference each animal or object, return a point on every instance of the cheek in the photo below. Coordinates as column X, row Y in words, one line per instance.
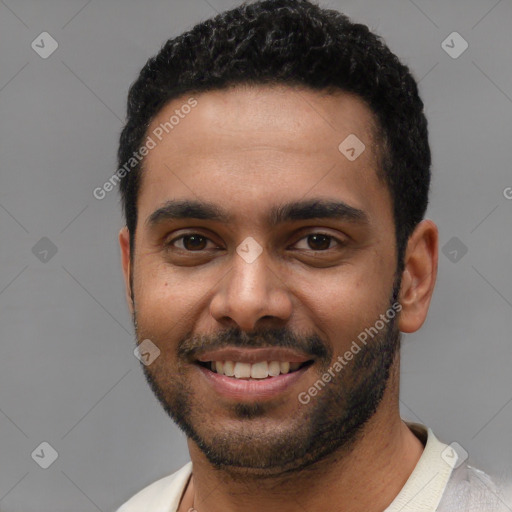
column 159, row 299
column 349, row 300
column 168, row 300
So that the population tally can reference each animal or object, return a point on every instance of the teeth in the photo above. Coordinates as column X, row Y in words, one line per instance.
column 274, row 368
column 259, row 370
column 242, row 370
column 229, row 368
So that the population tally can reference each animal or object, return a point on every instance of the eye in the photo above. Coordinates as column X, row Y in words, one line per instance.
column 195, row 242
column 318, row 242
column 190, row 242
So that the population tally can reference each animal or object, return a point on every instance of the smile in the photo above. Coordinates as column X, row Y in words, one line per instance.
column 252, row 374
column 258, row 370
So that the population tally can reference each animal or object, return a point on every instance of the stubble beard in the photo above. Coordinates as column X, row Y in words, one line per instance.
column 331, row 422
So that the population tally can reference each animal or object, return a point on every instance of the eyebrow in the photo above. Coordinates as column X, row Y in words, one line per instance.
column 292, row 211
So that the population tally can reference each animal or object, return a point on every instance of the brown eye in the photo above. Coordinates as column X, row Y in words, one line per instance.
column 319, row 242
column 193, row 242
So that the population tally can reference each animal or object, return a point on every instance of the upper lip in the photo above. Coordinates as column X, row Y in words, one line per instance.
column 254, row 355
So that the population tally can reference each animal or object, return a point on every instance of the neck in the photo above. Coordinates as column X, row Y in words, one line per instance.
column 367, row 478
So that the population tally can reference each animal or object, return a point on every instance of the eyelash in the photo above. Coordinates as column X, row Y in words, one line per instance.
column 170, row 245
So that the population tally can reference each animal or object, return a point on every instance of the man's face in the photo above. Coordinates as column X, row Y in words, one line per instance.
column 294, row 282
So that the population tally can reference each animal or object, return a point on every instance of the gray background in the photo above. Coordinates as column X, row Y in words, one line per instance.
column 68, row 375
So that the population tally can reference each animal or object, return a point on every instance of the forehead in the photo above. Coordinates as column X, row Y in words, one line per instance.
column 248, row 145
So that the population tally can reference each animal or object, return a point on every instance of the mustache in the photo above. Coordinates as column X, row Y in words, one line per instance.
column 192, row 346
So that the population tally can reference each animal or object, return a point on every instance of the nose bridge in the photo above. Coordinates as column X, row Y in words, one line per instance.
column 249, row 292
column 248, row 282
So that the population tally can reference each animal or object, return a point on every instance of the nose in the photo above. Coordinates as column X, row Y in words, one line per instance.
column 251, row 294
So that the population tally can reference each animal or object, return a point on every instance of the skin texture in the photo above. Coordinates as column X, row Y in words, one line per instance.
column 248, row 149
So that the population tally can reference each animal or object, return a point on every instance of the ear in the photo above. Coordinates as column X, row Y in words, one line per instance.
column 419, row 276
column 124, row 244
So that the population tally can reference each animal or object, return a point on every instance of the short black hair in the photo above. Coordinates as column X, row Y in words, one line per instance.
column 291, row 42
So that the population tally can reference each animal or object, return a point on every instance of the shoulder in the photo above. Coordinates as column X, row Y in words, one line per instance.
column 443, row 476
column 472, row 489
column 161, row 496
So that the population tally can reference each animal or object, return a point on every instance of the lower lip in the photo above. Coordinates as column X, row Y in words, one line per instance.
column 254, row 389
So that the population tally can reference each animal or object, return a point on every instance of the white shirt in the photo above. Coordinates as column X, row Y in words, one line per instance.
column 437, row 484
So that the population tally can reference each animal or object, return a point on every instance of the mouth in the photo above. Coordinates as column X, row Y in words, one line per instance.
column 253, row 374
column 254, row 371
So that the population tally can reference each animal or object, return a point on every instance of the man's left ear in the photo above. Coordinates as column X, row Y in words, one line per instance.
column 419, row 276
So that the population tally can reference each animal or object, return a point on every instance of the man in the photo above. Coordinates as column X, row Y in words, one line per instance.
column 274, row 171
